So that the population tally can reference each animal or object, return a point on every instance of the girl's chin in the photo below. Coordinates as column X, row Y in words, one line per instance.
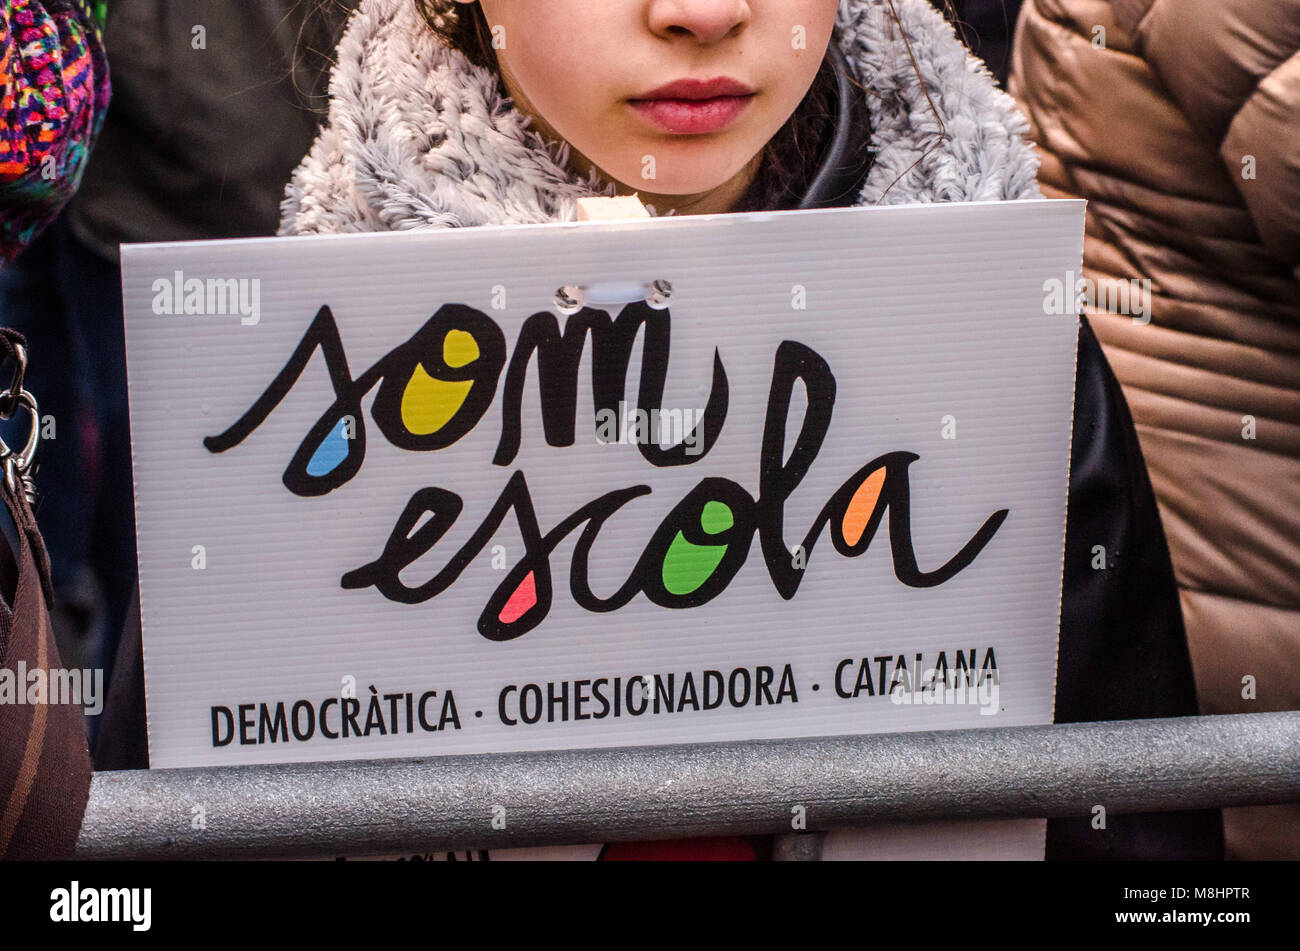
column 694, row 200
column 681, row 183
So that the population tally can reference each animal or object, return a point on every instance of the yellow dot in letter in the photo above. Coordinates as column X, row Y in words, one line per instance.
column 459, row 348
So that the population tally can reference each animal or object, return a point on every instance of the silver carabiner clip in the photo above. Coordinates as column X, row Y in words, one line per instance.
column 8, row 401
column 18, row 466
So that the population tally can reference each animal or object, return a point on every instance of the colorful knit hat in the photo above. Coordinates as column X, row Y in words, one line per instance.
column 54, row 92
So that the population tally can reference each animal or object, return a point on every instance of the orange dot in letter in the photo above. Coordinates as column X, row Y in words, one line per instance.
column 861, row 506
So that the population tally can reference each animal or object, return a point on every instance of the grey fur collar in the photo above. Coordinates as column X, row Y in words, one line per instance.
column 417, row 137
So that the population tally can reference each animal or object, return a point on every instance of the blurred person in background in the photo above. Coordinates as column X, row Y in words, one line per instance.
column 214, row 104
column 1180, row 123
column 54, row 92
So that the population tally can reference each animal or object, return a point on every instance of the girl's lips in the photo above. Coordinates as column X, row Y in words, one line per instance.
column 692, row 116
column 694, row 106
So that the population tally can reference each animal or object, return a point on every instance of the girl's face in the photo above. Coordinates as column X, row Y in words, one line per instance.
column 675, row 99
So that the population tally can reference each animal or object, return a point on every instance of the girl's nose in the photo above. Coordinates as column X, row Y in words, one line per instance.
column 707, row 21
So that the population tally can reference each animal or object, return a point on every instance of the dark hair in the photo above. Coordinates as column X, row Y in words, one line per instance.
column 789, row 160
column 320, row 25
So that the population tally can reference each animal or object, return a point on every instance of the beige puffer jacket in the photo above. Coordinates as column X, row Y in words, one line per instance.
column 1179, row 121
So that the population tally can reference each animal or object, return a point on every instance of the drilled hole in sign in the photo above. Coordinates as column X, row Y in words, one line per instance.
column 568, row 300
column 660, row 295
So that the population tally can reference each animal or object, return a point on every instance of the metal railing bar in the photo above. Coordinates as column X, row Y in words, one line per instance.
column 378, row 807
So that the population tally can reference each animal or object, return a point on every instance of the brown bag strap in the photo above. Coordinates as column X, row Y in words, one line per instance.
column 17, row 467
column 44, row 759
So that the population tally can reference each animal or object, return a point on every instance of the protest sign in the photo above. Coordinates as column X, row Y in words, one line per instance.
column 392, row 499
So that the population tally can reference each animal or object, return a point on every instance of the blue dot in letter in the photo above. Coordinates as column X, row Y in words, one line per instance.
column 332, row 450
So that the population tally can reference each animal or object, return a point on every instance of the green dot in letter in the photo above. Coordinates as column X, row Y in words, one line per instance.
column 687, row 565
column 716, row 518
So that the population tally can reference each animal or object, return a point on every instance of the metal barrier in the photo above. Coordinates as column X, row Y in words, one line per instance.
column 382, row 807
